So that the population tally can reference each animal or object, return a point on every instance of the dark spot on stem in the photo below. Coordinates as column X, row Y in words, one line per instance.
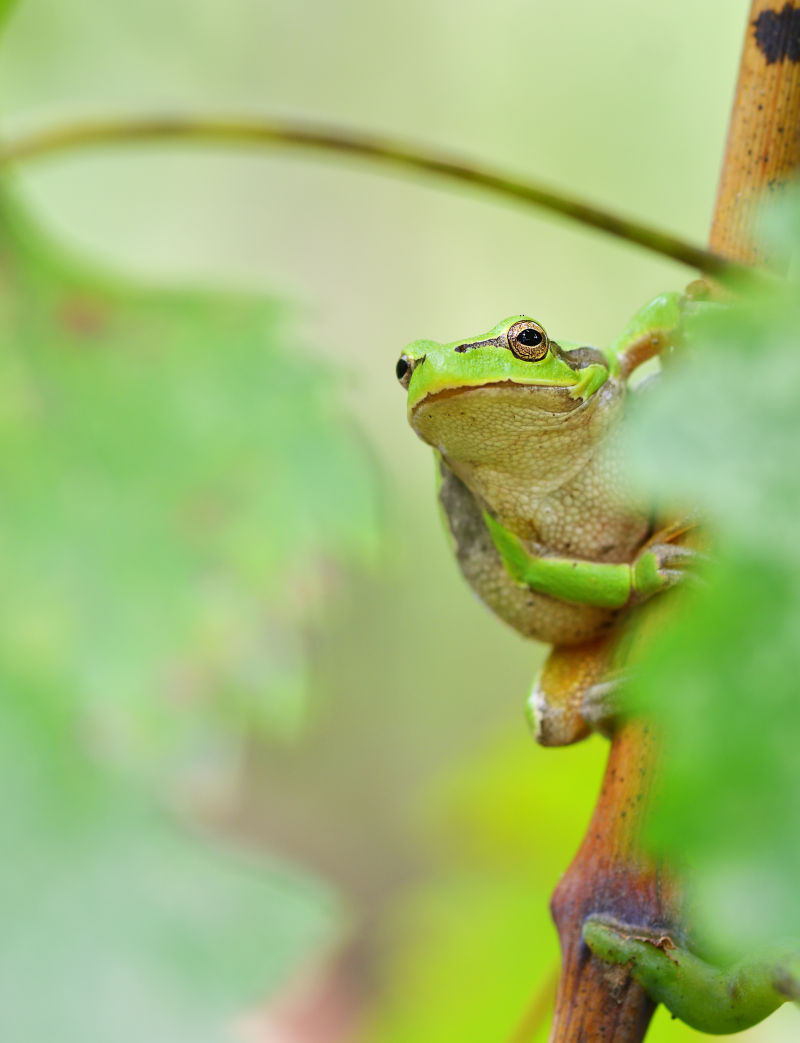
column 778, row 34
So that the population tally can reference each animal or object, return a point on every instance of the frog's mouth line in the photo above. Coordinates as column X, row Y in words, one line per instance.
column 464, row 389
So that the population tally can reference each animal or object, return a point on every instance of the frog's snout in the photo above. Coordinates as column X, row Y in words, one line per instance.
column 406, row 365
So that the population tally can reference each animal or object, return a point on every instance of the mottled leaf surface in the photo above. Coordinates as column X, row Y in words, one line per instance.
column 178, row 492
column 723, row 434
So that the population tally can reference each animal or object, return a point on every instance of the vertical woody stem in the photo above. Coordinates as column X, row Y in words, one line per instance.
column 596, row 1002
column 610, row 875
column 763, row 150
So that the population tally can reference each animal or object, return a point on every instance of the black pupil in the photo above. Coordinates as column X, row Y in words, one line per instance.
column 530, row 337
column 402, row 368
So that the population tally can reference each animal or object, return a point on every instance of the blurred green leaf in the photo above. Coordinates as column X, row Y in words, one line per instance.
column 6, row 7
column 116, row 924
column 475, row 950
column 723, row 434
column 473, row 947
column 179, row 490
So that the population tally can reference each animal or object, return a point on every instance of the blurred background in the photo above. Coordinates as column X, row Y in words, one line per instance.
column 266, row 766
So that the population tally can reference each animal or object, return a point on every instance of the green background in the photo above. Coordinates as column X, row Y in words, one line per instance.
column 408, row 795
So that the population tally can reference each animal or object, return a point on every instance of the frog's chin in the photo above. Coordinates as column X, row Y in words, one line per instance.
column 494, row 425
column 490, row 422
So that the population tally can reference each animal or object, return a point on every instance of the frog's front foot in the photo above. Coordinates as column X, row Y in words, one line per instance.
column 708, row 998
column 659, row 566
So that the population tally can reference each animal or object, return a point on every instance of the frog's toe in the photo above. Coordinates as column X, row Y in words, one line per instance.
column 673, row 557
column 663, row 565
column 603, row 704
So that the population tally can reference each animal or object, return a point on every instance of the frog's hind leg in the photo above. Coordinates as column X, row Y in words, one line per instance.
column 561, row 693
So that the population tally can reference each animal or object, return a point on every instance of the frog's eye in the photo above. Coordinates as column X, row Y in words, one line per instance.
column 528, row 341
column 405, row 367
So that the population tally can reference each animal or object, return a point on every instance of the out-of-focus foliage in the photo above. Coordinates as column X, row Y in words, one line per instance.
column 178, row 489
column 376, row 262
column 723, row 434
column 118, row 925
column 475, row 945
column 475, row 952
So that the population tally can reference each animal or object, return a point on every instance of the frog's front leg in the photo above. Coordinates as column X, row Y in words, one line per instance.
column 572, row 695
column 708, row 998
column 658, row 566
column 651, row 331
column 657, row 328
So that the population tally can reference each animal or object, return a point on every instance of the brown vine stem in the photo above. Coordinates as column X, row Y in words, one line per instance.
column 763, row 150
column 611, row 874
column 336, row 141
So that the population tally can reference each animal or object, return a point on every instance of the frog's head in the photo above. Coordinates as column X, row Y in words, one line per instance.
column 504, row 399
column 509, row 408
column 516, row 356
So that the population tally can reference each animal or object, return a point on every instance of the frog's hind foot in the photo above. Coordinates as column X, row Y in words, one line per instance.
column 556, row 704
column 603, row 704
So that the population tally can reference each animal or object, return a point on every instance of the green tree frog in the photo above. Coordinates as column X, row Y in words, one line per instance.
column 526, row 433
column 528, row 442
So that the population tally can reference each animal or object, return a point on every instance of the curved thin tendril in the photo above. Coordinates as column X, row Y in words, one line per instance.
column 256, row 132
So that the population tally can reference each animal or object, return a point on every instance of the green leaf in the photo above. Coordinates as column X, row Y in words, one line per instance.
column 6, row 7
column 723, row 436
column 179, row 491
column 117, row 925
